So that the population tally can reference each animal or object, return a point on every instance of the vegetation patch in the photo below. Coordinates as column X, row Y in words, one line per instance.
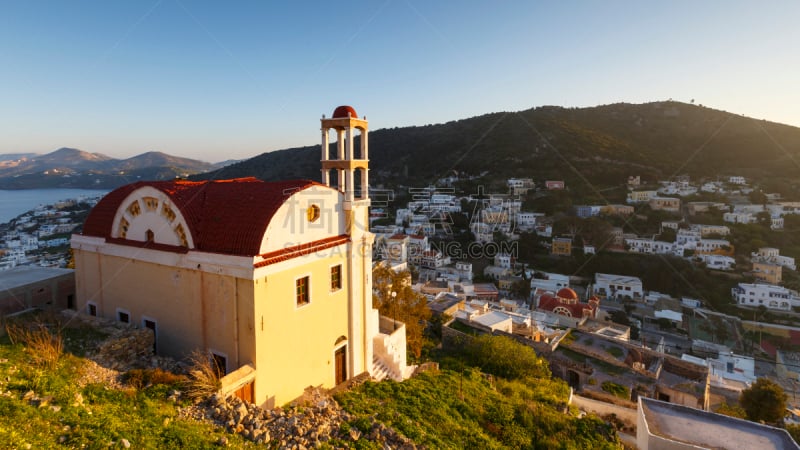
column 466, row 409
column 616, row 389
column 45, row 407
column 615, row 352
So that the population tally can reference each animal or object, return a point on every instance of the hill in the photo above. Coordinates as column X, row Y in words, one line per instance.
column 590, row 148
column 73, row 168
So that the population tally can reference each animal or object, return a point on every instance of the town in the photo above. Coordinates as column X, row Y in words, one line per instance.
column 681, row 295
column 609, row 335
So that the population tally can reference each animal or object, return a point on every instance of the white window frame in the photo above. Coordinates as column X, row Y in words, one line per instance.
column 124, row 311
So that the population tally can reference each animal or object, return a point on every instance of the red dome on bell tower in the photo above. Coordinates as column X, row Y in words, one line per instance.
column 344, row 111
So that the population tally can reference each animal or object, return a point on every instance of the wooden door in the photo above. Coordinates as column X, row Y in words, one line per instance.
column 340, row 358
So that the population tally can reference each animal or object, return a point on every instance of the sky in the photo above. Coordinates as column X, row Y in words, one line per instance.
column 214, row 80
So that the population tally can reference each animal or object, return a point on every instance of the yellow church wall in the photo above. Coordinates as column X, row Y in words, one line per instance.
column 297, row 343
column 179, row 300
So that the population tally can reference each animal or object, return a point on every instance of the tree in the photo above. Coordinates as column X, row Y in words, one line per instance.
column 393, row 297
column 764, row 401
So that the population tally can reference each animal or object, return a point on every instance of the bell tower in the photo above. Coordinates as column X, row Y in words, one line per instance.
column 348, row 163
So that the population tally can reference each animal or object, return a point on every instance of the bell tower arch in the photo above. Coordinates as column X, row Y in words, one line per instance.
column 350, row 162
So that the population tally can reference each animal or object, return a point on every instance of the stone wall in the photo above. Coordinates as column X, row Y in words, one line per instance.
column 600, row 408
column 126, row 346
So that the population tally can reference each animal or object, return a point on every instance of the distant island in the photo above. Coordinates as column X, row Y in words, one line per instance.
column 73, row 168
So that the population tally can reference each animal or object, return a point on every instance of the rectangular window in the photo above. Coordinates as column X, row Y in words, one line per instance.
column 123, row 317
column 336, row 277
column 301, row 291
column 92, row 309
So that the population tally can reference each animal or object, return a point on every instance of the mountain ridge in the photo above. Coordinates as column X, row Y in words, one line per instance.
column 591, row 148
column 74, row 168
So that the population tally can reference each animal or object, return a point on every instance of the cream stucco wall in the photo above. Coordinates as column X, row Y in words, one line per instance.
column 296, row 344
column 193, row 310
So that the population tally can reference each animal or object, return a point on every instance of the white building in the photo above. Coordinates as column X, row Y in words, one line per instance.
column 728, row 370
column 772, row 255
column 739, row 217
column 737, row 180
column 718, row 262
column 527, row 220
column 549, row 281
column 619, row 286
column 503, row 260
column 769, row 295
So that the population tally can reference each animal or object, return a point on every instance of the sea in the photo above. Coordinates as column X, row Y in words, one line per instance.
column 15, row 203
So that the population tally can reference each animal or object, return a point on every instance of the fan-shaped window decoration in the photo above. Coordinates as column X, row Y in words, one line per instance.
column 182, row 235
column 312, row 213
column 563, row 311
column 167, row 212
column 123, row 228
column 151, row 203
column 134, row 209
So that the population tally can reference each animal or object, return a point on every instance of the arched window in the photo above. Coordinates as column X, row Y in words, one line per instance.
column 149, row 236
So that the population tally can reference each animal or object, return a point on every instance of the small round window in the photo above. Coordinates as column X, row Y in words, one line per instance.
column 312, row 213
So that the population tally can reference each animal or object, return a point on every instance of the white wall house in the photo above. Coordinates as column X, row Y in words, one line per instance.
column 769, row 295
column 772, row 255
column 718, row 262
column 549, row 281
column 619, row 286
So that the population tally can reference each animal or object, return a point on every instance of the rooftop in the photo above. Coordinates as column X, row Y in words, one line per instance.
column 25, row 275
column 709, row 430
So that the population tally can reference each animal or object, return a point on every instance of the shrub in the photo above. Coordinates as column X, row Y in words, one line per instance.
column 43, row 346
column 505, row 357
column 616, row 389
column 203, row 380
column 140, row 378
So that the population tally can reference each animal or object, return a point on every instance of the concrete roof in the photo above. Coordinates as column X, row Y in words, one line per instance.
column 25, row 275
column 491, row 319
column 710, row 430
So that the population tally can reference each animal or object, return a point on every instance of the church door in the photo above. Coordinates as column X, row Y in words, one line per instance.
column 340, row 358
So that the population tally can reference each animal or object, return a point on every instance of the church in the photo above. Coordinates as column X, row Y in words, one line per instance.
column 272, row 279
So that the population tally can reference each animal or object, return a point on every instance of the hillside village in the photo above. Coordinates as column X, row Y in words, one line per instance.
column 40, row 237
column 665, row 345
column 677, row 293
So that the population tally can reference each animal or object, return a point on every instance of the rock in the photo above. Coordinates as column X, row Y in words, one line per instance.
column 222, row 441
column 125, row 443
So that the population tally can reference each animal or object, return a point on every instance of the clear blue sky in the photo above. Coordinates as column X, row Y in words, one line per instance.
column 217, row 80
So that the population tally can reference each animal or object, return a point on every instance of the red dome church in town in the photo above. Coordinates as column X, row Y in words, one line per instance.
column 567, row 303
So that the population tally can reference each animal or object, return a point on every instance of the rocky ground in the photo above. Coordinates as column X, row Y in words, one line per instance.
column 314, row 421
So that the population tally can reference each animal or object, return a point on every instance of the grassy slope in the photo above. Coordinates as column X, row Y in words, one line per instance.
column 145, row 418
column 451, row 409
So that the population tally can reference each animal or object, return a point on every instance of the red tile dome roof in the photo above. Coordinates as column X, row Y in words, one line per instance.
column 342, row 112
column 567, row 293
column 223, row 216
